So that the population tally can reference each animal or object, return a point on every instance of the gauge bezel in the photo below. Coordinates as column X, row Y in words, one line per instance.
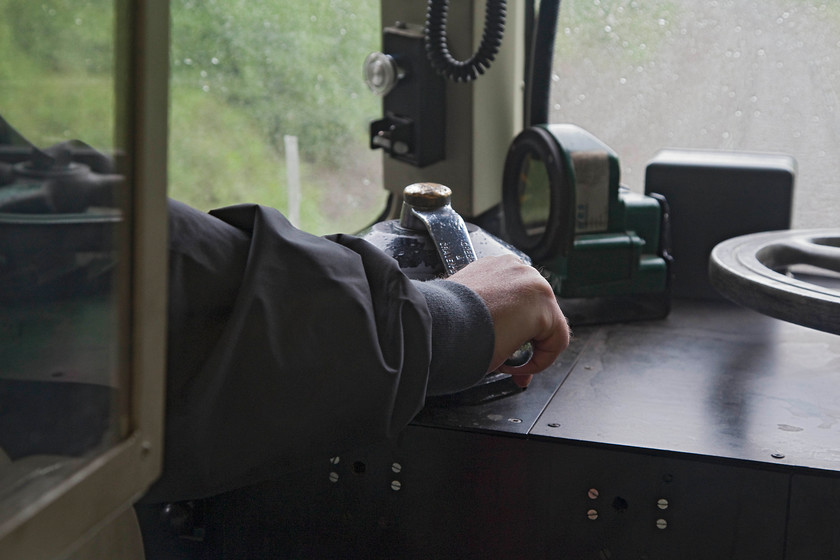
column 556, row 239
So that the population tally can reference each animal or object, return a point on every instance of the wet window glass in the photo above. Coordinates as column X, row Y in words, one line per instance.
column 730, row 75
column 268, row 105
column 63, row 397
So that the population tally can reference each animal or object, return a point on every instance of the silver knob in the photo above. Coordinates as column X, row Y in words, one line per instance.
column 381, row 73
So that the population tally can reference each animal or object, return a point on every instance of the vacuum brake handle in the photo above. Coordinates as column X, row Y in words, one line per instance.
column 446, row 228
column 427, row 206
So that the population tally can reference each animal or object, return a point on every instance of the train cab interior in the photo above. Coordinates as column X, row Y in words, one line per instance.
column 670, row 167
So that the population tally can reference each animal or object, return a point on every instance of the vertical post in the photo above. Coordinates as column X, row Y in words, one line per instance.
column 292, row 179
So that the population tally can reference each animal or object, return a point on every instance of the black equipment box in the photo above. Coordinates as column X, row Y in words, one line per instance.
column 714, row 196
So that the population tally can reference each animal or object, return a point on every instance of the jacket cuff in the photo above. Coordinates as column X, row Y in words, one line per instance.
column 462, row 336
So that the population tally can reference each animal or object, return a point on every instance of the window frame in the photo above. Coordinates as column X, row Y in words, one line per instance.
column 70, row 513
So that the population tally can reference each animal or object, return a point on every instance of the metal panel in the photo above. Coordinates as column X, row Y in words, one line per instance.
column 498, row 405
column 622, row 503
column 814, row 517
column 711, row 379
column 451, row 494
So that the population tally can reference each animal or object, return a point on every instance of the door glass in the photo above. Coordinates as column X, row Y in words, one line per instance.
column 63, row 394
column 745, row 75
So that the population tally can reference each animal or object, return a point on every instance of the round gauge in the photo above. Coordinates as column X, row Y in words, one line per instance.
column 537, row 195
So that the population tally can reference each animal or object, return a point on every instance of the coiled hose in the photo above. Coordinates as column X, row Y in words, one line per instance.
column 437, row 48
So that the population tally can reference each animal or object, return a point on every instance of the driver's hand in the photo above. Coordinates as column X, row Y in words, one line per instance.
column 523, row 307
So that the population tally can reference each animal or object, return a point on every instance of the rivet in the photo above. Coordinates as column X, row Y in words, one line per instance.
column 554, row 425
column 592, row 514
column 661, row 524
column 778, row 455
column 662, row 503
column 396, row 467
column 593, row 494
column 333, row 476
column 396, row 485
column 515, row 420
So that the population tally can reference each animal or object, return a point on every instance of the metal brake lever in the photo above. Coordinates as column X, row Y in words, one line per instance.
column 429, row 204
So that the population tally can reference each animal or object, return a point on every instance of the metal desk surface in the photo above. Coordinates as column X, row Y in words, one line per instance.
column 711, row 379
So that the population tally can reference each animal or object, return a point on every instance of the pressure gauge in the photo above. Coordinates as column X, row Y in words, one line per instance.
column 538, row 195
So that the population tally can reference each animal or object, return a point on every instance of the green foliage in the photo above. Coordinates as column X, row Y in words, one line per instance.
column 292, row 67
column 209, row 170
column 633, row 28
column 243, row 75
column 56, row 70
column 53, row 109
column 63, row 35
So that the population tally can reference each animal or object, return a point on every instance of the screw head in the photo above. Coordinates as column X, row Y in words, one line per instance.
column 396, row 485
column 661, row 524
column 593, row 494
column 662, row 503
column 592, row 514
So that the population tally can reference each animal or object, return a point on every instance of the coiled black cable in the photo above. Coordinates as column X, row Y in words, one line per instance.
column 437, row 48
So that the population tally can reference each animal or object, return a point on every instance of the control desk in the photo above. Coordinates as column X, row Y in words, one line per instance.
column 712, row 433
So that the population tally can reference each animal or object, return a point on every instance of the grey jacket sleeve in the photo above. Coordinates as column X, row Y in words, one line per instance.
column 286, row 347
column 462, row 343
